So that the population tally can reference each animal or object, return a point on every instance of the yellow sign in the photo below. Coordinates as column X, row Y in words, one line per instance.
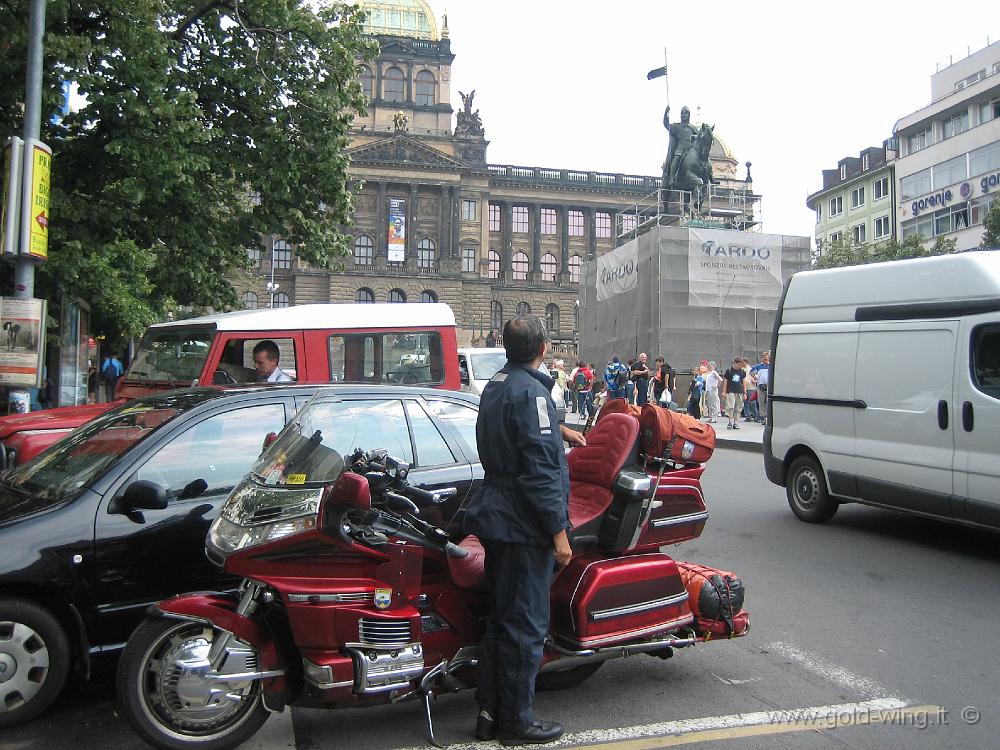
column 41, row 170
column 296, row 479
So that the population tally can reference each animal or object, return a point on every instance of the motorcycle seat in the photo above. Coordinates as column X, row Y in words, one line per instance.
column 469, row 572
column 592, row 471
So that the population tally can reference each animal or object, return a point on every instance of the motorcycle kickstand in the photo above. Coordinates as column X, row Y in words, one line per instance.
column 427, row 694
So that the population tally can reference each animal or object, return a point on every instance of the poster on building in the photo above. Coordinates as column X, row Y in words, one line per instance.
column 22, row 341
column 617, row 271
column 397, row 230
column 734, row 269
column 35, row 200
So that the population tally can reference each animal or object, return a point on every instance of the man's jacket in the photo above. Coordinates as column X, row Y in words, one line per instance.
column 524, row 496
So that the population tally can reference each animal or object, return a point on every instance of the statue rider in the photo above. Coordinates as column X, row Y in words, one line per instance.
column 682, row 137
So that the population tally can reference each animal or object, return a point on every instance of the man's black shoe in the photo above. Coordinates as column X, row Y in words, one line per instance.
column 537, row 733
column 486, row 726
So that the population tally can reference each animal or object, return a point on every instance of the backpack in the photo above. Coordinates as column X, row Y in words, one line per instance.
column 617, row 378
column 580, row 380
column 110, row 373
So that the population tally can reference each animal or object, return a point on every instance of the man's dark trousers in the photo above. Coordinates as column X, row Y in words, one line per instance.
column 519, row 578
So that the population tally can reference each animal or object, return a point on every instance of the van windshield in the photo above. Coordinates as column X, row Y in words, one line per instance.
column 484, row 366
column 174, row 356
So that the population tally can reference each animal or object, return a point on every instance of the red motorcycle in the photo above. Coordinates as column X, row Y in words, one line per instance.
column 352, row 598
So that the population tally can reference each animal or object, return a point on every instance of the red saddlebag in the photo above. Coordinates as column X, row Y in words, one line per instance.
column 617, row 406
column 679, row 437
column 598, row 601
column 715, row 598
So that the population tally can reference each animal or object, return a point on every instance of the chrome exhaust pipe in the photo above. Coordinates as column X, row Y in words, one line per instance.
column 569, row 658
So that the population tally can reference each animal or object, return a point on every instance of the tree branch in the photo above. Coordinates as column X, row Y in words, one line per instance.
column 196, row 16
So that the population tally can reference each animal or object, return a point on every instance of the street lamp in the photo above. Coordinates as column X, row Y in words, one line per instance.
column 272, row 288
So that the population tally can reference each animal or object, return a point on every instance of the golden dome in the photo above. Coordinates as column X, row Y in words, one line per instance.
column 410, row 18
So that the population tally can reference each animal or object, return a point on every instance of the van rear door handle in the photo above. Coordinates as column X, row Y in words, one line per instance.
column 943, row 414
column 968, row 418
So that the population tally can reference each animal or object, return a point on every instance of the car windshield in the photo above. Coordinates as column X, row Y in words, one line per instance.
column 175, row 356
column 67, row 467
column 302, row 453
column 485, row 366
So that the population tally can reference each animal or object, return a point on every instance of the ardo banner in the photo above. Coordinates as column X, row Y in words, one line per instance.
column 397, row 230
column 618, row 271
column 734, row 269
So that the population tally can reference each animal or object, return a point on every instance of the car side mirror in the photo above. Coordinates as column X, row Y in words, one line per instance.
column 193, row 489
column 143, row 495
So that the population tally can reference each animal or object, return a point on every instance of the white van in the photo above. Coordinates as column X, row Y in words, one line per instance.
column 885, row 389
column 476, row 365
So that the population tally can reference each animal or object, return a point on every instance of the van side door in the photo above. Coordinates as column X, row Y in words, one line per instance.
column 905, row 434
column 977, row 421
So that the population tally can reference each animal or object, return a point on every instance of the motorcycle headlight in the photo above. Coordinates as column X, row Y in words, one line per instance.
column 256, row 515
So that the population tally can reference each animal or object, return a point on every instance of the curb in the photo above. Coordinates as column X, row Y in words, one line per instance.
column 750, row 446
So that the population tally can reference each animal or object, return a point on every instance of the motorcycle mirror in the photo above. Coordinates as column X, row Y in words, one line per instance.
column 397, row 467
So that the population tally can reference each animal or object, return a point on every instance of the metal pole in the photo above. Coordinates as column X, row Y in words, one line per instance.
column 24, row 271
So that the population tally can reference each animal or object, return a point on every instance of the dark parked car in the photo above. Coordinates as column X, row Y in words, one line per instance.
column 113, row 517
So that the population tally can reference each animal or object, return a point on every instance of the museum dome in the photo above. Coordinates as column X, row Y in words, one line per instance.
column 410, row 18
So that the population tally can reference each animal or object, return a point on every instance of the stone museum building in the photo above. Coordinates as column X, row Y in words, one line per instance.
column 436, row 222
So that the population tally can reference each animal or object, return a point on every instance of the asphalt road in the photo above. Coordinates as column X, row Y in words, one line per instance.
column 877, row 623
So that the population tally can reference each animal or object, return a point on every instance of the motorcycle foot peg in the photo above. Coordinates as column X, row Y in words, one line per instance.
column 451, row 683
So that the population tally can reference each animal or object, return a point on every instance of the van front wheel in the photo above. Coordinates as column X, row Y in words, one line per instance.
column 808, row 496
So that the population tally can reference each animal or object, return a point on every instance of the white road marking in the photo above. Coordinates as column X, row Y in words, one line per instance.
column 812, row 714
column 831, row 672
column 729, row 681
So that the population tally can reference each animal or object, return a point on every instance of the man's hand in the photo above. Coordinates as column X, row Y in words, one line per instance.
column 563, row 551
column 571, row 436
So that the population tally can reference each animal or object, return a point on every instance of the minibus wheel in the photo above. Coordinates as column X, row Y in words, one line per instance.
column 808, row 496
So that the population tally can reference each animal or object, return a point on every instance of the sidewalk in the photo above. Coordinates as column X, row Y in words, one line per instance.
column 749, row 437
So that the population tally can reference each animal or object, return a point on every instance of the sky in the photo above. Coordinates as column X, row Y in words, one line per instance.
column 790, row 87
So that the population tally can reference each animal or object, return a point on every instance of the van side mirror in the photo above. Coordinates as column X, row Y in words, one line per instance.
column 463, row 376
column 143, row 495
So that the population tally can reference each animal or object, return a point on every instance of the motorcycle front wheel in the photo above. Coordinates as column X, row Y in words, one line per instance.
column 164, row 696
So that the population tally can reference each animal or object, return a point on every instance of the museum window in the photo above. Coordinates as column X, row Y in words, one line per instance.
column 366, row 79
column 493, row 264
column 364, row 251
column 428, row 296
column 519, row 265
column 880, row 188
column 552, row 319
column 468, row 209
column 602, row 224
column 495, row 222
column 548, row 221
column 858, row 233
column 281, row 254
column 397, row 295
column 523, row 308
column 957, row 123
column 365, row 296
column 425, row 88
column 574, row 268
column 629, row 222
column 281, row 300
column 496, row 315
column 393, row 85
column 249, row 301
column 253, row 257
column 549, row 267
column 881, row 227
column 425, row 253
column 858, row 197
column 519, row 219
column 576, row 223
column 468, row 259
column 837, row 205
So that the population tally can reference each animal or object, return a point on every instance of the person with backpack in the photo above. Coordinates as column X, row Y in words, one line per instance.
column 111, row 371
column 616, row 378
column 695, row 391
column 583, row 384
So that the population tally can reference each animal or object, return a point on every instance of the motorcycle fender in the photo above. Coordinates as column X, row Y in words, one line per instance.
column 219, row 610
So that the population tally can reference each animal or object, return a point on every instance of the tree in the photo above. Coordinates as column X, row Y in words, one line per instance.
column 851, row 253
column 206, row 124
column 991, row 226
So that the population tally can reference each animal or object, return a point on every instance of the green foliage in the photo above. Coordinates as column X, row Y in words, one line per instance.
column 207, row 123
column 851, row 253
column 991, row 226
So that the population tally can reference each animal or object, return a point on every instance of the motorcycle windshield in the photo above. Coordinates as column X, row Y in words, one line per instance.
column 302, row 454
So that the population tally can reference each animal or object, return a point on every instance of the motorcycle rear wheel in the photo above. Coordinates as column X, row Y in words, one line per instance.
column 161, row 702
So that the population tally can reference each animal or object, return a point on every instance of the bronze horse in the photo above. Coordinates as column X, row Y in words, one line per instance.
column 693, row 171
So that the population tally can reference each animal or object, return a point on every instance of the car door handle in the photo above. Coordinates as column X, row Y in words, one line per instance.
column 943, row 414
column 968, row 418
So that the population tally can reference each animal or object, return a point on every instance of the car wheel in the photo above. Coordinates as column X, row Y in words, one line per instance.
column 566, row 678
column 34, row 660
column 808, row 496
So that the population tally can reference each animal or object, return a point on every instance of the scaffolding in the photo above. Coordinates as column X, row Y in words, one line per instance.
column 732, row 204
